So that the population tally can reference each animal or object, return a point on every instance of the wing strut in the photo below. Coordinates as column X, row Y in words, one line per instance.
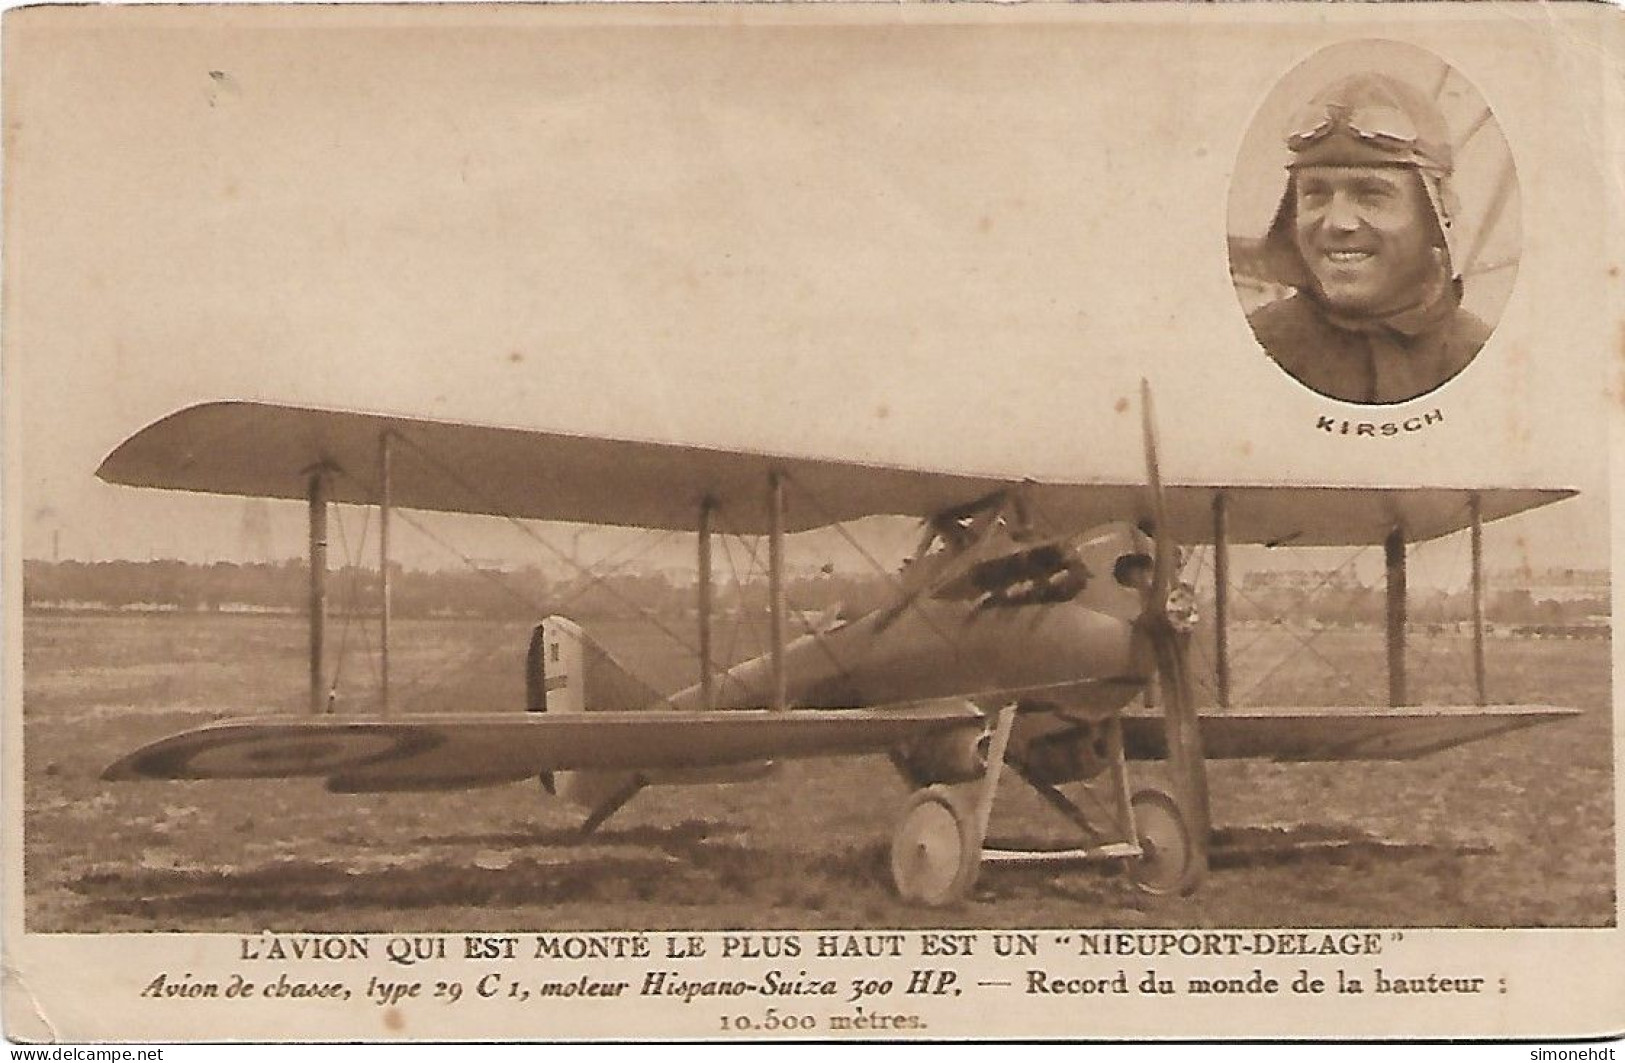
column 319, row 487
column 703, row 605
column 1395, row 550
column 384, row 589
column 1221, row 597
column 1394, row 554
column 775, row 577
column 1479, row 683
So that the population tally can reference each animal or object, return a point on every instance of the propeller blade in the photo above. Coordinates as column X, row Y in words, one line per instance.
column 1170, row 650
column 1163, row 556
column 1187, row 764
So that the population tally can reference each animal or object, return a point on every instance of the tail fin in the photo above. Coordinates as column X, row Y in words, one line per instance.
column 566, row 671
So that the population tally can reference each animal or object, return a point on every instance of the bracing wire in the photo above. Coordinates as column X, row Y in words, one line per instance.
column 726, row 674
column 446, row 675
column 452, row 474
column 1310, row 593
column 352, row 611
column 1306, row 642
column 909, row 599
column 1461, row 666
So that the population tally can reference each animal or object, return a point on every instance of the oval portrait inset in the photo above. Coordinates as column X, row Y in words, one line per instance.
column 1374, row 223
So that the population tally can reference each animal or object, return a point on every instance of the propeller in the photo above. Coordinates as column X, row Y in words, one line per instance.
column 1170, row 649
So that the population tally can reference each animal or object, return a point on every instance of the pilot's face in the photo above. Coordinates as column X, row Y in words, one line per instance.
column 1367, row 235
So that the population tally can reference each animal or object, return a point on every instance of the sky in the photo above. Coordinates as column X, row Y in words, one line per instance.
column 914, row 238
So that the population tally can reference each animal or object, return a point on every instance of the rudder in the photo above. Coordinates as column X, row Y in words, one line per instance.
column 567, row 672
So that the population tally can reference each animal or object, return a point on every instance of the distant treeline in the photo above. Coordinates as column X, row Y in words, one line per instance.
column 284, row 586
column 1361, row 605
column 528, row 592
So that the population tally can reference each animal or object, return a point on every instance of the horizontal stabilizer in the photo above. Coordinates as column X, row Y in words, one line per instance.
column 1339, row 733
column 463, row 751
column 265, row 450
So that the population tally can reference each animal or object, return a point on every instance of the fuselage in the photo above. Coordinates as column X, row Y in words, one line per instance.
column 991, row 632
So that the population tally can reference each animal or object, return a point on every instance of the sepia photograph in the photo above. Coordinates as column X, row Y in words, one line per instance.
column 621, row 502
column 1359, row 287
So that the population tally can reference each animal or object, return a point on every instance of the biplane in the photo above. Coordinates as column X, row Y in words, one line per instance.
column 1027, row 631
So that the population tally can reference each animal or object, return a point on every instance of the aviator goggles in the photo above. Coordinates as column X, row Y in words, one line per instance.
column 1374, row 124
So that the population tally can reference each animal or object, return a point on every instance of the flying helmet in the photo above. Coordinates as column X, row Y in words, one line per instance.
column 1365, row 120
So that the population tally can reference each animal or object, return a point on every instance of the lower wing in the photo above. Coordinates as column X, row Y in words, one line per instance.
column 462, row 751
column 1339, row 733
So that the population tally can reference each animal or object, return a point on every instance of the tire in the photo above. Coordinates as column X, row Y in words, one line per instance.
column 934, row 854
column 1172, row 863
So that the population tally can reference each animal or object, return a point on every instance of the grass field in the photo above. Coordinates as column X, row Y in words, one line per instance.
column 1515, row 831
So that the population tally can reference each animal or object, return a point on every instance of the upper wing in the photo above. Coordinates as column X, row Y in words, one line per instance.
column 248, row 448
column 460, row 751
column 1340, row 733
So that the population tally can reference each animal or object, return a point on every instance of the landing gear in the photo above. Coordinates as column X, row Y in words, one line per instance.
column 936, row 849
column 1170, row 862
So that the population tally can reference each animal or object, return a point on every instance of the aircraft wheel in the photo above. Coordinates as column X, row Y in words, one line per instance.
column 1171, row 863
column 934, row 851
